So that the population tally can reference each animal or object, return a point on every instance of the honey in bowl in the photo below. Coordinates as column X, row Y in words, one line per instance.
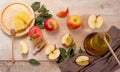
column 95, row 45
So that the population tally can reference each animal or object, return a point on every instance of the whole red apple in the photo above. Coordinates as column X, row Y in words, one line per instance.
column 62, row 13
column 35, row 33
column 73, row 21
column 50, row 24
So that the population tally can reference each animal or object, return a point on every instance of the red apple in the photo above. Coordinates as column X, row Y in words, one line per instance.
column 62, row 13
column 35, row 33
column 73, row 21
column 50, row 24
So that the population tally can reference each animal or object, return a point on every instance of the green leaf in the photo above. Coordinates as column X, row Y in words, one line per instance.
column 39, row 19
column 63, row 52
column 80, row 51
column 70, row 52
column 40, row 25
column 63, row 55
column 39, row 22
column 34, row 62
column 47, row 15
column 43, row 9
column 72, row 45
column 31, row 37
column 60, row 59
column 35, row 6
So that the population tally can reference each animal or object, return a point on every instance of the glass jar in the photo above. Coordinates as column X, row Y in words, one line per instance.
column 94, row 44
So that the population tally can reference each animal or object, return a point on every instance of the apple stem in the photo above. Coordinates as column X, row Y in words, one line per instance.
column 97, row 15
column 50, row 24
column 55, row 47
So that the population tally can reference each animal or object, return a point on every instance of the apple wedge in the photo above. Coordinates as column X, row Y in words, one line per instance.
column 82, row 60
column 95, row 21
column 67, row 39
column 52, row 52
column 23, row 47
column 63, row 13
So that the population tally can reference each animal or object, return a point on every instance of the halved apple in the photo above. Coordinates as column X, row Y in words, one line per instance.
column 23, row 47
column 62, row 13
column 67, row 39
column 82, row 60
column 95, row 21
column 52, row 52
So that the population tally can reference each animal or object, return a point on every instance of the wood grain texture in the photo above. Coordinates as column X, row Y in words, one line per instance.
column 110, row 9
column 26, row 67
column 7, row 14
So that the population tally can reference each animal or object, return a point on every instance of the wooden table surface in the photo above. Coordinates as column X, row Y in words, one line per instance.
column 108, row 8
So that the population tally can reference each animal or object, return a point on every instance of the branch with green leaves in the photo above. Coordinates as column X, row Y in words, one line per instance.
column 43, row 14
column 66, row 54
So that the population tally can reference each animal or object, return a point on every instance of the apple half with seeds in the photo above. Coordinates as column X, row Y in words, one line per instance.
column 52, row 52
column 95, row 21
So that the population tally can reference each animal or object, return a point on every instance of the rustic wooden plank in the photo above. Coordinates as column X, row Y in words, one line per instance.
column 26, row 67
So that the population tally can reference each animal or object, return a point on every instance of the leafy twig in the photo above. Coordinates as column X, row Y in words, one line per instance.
column 43, row 14
column 65, row 54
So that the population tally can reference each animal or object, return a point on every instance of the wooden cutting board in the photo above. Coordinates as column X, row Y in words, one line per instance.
column 7, row 14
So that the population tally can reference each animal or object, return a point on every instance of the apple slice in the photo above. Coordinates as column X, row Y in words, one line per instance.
column 23, row 47
column 52, row 52
column 95, row 21
column 82, row 60
column 63, row 13
column 67, row 39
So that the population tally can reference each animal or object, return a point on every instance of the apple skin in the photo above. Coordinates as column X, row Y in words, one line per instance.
column 63, row 13
column 51, row 24
column 35, row 33
column 73, row 21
